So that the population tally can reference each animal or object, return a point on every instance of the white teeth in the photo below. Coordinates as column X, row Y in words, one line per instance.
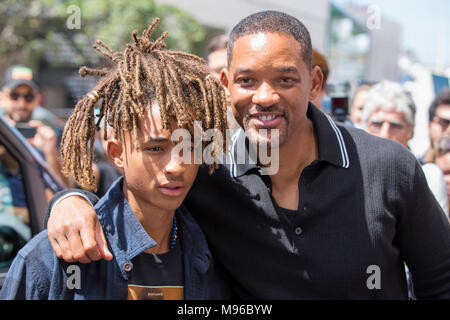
column 266, row 118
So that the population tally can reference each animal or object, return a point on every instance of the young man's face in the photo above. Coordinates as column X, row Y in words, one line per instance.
column 440, row 125
column 19, row 102
column 151, row 175
column 270, row 84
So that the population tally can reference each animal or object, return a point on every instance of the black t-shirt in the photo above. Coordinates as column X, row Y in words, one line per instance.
column 157, row 276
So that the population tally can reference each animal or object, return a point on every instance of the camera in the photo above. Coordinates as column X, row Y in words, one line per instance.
column 339, row 108
column 25, row 129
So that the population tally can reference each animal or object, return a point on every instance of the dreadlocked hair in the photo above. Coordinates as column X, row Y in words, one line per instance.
column 143, row 73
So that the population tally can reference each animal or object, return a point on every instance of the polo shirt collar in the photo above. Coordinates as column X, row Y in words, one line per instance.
column 331, row 145
column 330, row 141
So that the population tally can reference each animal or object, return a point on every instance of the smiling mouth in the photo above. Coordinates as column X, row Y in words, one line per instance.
column 261, row 120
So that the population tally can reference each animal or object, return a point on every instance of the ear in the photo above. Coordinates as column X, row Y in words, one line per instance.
column 225, row 80
column 316, row 83
column 115, row 152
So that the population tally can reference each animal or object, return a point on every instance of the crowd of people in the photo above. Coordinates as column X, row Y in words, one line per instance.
column 348, row 206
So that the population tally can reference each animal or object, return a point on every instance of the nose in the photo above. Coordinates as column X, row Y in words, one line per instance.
column 174, row 166
column 385, row 131
column 265, row 96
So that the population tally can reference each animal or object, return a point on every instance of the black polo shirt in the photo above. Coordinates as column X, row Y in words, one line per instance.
column 364, row 210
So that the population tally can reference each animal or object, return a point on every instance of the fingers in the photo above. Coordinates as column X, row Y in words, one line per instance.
column 101, row 241
column 56, row 247
column 35, row 124
column 75, row 232
column 90, row 246
column 61, row 247
column 76, row 247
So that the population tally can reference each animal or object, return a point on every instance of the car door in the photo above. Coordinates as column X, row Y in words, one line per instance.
column 26, row 185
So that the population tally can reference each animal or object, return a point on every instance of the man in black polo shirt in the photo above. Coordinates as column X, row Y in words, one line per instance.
column 339, row 218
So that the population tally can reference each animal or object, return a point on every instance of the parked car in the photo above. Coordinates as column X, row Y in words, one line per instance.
column 26, row 185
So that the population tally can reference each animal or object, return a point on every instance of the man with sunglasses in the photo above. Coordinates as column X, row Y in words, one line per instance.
column 19, row 98
column 19, row 95
column 439, row 122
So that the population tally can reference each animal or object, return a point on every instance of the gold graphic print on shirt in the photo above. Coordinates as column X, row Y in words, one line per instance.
column 136, row 292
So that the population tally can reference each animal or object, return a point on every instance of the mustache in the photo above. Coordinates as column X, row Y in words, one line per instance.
column 257, row 108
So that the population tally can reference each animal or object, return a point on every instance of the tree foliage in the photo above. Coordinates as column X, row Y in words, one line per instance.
column 41, row 28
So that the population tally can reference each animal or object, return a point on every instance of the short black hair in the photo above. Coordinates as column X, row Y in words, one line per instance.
column 442, row 98
column 273, row 21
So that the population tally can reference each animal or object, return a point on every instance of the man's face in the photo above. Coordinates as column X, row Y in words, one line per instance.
column 270, row 85
column 389, row 125
column 439, row 126
column 19, row 102
column 152, row 176
column 217, row 60
column 357, row 107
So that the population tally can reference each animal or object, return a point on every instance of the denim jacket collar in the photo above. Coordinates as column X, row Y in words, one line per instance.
column 131, row 239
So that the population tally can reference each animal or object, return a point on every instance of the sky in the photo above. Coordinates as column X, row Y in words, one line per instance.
column 423, row 23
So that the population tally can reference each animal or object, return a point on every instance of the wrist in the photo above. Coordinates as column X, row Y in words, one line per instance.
column 74, row 193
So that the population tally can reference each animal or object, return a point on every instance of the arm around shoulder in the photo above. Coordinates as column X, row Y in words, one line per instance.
column 90, row 198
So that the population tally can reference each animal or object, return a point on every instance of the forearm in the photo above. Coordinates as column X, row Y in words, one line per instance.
column 89, row 196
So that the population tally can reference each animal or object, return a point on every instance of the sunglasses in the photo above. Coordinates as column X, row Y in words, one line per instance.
column 444, row 123
column 28, row 97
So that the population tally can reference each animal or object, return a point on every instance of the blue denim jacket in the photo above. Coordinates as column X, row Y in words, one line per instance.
column 36, row 272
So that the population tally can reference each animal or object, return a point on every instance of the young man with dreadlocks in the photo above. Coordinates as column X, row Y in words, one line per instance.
column 159, row 251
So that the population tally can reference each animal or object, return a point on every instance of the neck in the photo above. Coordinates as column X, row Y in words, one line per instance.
column 297, row 153
column 156, row 221
column 294, row 156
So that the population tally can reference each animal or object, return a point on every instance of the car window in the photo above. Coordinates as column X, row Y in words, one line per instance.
column 15, row 228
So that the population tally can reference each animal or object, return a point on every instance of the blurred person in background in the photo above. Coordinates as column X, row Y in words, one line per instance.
column 442, row 160
column 320, row 61
column 439, row 123
column 19, row 97
column 389, row 113
column 357, row 105
column 217, row 61
column 217, row 54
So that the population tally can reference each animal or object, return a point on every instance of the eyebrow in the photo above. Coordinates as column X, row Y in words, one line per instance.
column 156, row 140
column 287, row 69
column 243, row 70
column 279, row 69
